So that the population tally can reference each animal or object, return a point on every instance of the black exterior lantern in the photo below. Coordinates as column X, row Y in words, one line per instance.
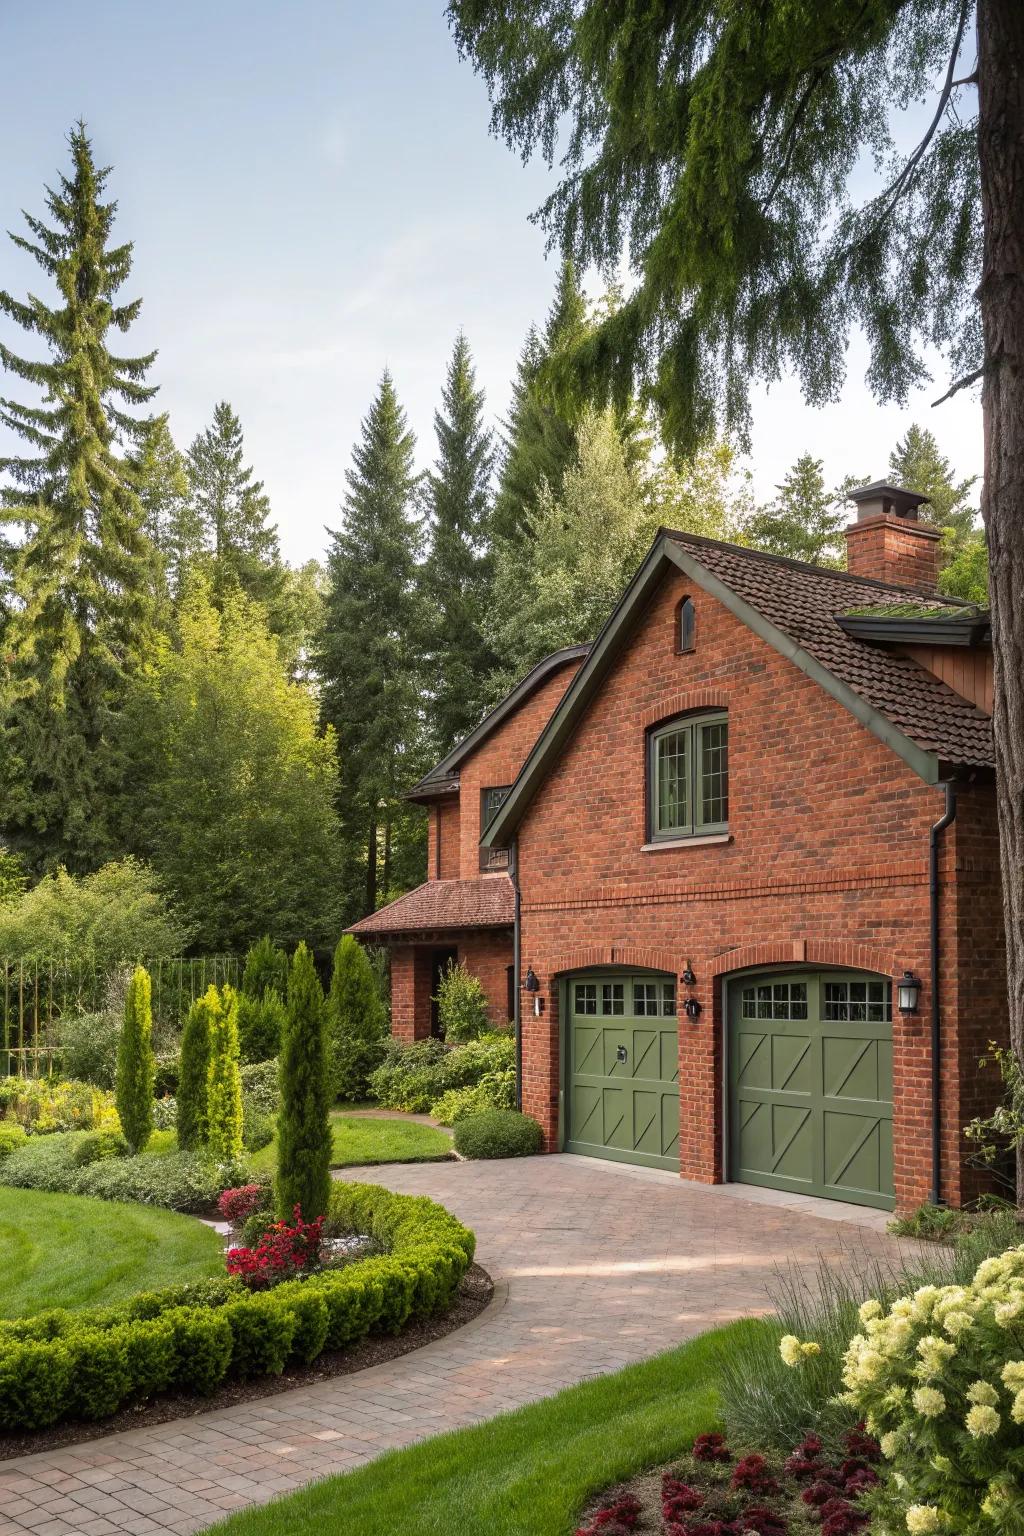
column 692, row 1009
column 531, row 984
column 688, row 978
column 908, row 990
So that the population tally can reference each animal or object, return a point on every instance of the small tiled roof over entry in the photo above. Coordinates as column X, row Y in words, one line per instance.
column 440, row 905
column 805, row 603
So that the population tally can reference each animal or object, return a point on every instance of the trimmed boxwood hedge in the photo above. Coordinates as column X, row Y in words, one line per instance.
column 498, row 1133
column 63, row 1365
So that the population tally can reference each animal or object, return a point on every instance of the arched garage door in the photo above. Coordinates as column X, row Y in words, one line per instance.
column 810, row 1084
column 622, row 1068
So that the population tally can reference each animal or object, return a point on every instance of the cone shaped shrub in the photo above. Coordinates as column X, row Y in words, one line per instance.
column 260, row 1022
column 193, row 1127
column 224, row 1082
column 136, row 1066
column 356, row 1021
column 303, row 1122
column 266, row 966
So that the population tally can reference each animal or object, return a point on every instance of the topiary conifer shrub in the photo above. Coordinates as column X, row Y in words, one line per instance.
column 224, row 1082
column 195, row 1063
column 266, row 969
column 136, row 1067
column 260, row 1023
column 357, row 1023
column 303, row 1122
column 498, row 1133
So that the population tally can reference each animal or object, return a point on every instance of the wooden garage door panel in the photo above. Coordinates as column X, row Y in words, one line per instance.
column 810, row 1096
column 622, row 1097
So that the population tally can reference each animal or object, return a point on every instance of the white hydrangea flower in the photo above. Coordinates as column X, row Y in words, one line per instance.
column 956, row 1323
column 1007, row 1312
column 869, row 1309
column 982, row 1420
column 790, row 1350
column 929, row 1402
column 1017, row 1411
column 890, row 1444
column 982, row 1392
column 922, row 1519
column 1013, row 1375
column 935, row 1354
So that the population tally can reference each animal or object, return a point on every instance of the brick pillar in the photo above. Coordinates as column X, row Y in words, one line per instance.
column 410, row 992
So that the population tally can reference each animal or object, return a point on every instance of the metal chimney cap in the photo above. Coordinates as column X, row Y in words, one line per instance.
column 880, row 499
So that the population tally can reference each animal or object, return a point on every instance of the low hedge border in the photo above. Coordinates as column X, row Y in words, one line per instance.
column 85, row 1365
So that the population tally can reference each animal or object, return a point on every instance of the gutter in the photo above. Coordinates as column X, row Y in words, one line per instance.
column 516, row 969
column 945, row 820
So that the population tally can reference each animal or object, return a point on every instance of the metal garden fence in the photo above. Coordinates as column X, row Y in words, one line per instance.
column 36, row 994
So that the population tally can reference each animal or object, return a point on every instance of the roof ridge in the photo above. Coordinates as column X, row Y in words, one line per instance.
column 701, row 540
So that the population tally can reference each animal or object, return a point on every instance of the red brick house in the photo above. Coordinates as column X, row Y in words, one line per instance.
column 757, row 806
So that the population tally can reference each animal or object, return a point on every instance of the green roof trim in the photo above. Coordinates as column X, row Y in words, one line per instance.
column 664, row 554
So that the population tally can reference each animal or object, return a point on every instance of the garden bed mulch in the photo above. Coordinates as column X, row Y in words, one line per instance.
column 475, row 1292
column 713, row 1492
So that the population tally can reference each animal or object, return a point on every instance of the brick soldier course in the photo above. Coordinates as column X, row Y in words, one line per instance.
column 597, row 1266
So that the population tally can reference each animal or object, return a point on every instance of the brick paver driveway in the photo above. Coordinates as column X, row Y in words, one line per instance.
column 597, row 1265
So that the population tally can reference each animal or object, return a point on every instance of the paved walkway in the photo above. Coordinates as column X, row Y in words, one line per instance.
column 596, row 1265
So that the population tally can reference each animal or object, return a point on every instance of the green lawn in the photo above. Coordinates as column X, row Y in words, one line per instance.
column 69, row 1251
column 364, row 1139
column 525, row 1474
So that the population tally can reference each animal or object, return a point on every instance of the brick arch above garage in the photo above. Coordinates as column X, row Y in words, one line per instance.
column 637, row 957
column 819, row 953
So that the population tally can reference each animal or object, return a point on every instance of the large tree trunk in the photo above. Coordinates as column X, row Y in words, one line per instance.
column 1001, row 155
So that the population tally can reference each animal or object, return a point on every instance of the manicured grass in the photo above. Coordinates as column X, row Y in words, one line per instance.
column 69, row 1251
column 365, row 1139
column 527, row 1473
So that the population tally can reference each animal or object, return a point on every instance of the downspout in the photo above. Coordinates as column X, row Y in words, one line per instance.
column 513, row 860
column 948, row 816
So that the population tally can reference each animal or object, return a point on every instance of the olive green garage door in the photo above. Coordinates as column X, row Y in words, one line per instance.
column 810, row 1085
column 622, row 1069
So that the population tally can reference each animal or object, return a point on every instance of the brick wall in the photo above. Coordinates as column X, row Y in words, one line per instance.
column 827, row 866
column 896, row 549
column 410, row 991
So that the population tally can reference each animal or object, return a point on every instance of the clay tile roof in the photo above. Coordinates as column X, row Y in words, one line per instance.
column 804, row 602
column 444, row 904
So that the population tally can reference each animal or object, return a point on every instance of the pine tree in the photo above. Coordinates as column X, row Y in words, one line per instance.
column 303, row 1122
column 233, row 510
column 134, row 1084
column 457, row 574
column 82, row 569
column 804, row 522
column 368, row 658
column 193, row 1124
column 223, row 1082
column 356, row 1021
column 160, row 476
column 917, row 463
column 540, row 432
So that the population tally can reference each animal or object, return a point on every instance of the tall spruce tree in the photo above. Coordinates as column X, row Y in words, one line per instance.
column 917, row 463
column 233, row 511
column 81, row 606
column 458, row 571
column 368, row 657
column 540, row 432
column 160, row 476
column 804, row 521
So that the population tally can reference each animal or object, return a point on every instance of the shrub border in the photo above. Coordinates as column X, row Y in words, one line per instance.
column 62, row 1365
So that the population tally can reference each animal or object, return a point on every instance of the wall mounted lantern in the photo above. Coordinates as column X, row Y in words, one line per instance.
column 908, row 989
column 531, row 984
column 692, row 1009
column 688, row 978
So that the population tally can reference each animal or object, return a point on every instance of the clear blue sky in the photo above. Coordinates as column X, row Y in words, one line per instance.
column 313, row 195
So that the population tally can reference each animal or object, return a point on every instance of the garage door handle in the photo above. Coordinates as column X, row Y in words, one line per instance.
column 622, row 1054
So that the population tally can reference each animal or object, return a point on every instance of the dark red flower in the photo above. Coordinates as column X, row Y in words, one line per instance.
column 678, row 1498
column 859, row 1443
column 711, row 1447
column 821, row 1491
column 860, row 1481
column 839, row 1518
column 754, row 1474
column 760, row 1521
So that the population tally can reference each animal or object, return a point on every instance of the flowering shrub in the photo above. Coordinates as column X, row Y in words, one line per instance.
column 613, row 1519
column 237, row 1205
column 281, row 1254
column 939, row 1376
column 44, row 1105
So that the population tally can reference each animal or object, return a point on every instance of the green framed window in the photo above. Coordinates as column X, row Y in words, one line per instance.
column 688, row 777
column 492, row 797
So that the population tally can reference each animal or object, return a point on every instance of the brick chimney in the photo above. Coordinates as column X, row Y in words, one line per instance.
column 888, row 542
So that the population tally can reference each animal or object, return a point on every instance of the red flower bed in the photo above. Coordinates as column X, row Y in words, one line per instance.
column 281, row 1254
column 713, row 1493
column 237, row 1205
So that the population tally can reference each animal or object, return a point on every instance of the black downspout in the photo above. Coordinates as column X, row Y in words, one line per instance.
column 516, row 987
column 939, row 827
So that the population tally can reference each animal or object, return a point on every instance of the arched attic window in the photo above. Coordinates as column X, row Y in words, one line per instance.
column 686, row 624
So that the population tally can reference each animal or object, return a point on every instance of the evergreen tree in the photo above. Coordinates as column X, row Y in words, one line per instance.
column 81, row 573
column 303, row 1122
column 805, row 521
column 135, row 1081
column 160, row 476
column 193, row 1124
column 217, row 726
column 457, row 575
column 368, row 659
column 917, row 463
column 540, row 432
column 266, row 965
column 583, row 547
column 232, row 509
column 224, row 1082
column 356, row 1021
